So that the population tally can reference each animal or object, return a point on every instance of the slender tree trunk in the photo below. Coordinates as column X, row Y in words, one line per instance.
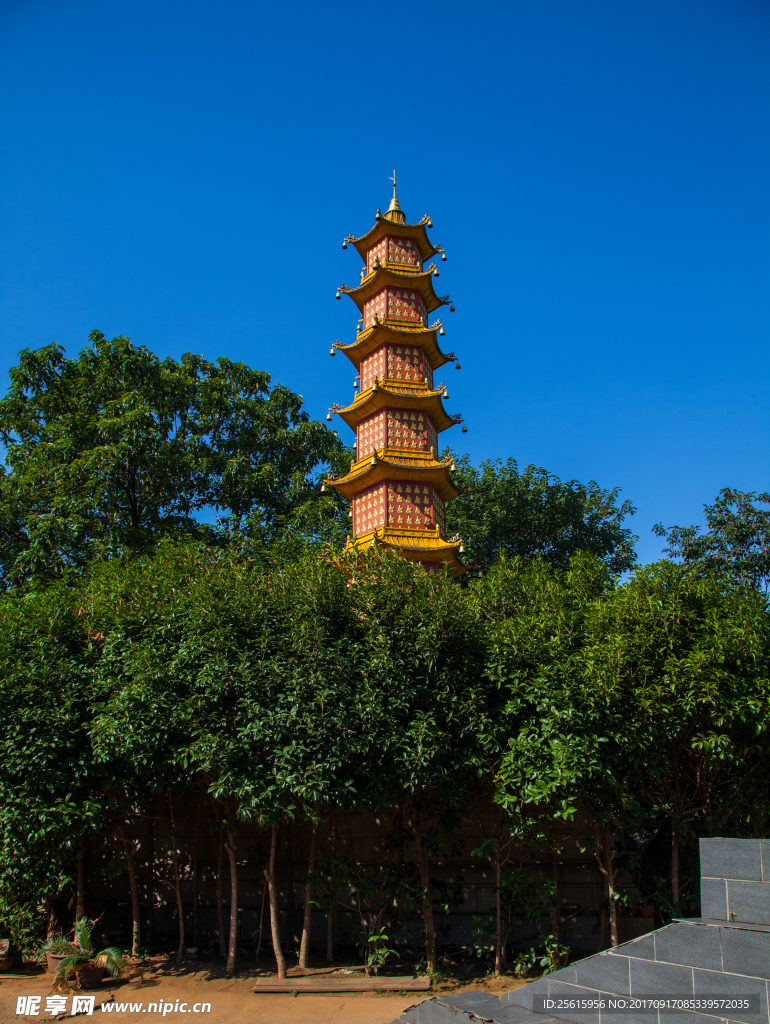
column 195, row 865
column 220, row 893
column 289, row 937
column 177, row 881
column 554, row 911
column 233, row 945
column 275, row 920
column 130, row 850
column 150, row 873
column 429, row 924
column 675, row 862
column 304, row 948
column 498, row 915
column 79, row 889
column 50, row 919
column 261, row 919
column 606, row 861
column 330, row 915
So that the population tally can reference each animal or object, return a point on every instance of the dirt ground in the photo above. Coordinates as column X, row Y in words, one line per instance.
column 186, row 986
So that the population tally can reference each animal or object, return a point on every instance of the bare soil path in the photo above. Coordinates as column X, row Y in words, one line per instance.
column 160, row 989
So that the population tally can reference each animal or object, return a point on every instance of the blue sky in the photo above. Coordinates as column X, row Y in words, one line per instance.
column 184, row 173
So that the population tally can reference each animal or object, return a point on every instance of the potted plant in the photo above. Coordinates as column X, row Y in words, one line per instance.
column 54, row 950
column 89, row 967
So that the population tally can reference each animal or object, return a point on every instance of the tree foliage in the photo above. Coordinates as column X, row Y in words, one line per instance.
column 532, row 512
column 736, row 543
column 115, row 449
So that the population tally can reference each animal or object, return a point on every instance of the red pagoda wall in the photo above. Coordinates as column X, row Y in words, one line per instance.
column 395, row 428
column 399, row 362
column 394, row 250
column 414, row 506
column 407, row 429
column 369, row 509
column 396, row 304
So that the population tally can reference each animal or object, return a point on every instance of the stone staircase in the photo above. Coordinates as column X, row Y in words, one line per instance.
column 722, row 956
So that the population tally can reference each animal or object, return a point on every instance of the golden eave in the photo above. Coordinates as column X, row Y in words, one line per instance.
column 388, row 227
column 397, row 464
column 370, row 340
column 383, row 278
column 397, row 395
column 416, row 545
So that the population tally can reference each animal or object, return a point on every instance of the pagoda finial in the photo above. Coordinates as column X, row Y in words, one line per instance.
column 395, row 214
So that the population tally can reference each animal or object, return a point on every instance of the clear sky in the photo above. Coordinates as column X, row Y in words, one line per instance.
column 597, row 170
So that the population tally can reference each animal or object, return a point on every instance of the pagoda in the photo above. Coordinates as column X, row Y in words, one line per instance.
column 397, row 484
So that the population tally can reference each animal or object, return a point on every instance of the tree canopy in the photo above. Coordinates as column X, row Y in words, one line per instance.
column 532, row 512
column 737, row 541
column 114, row 449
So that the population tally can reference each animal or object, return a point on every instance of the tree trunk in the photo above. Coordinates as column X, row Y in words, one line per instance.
column 675, row 864
column 430, row 927
column 554, row 911
column 232, row 948
column 498, row 915
column 150, row 874
column 196, row 843
column 606, row 860
column 79, row 889
column 330, row 915
column 130, row 850
column 177, row 882
column 304, row 948
column 220, row 893
column 275, row 920
column 289, row 936
column 261, row 919
column 50, row 919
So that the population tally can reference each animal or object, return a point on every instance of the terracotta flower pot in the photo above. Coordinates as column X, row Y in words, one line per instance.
column 90, row 977
column 53, row 960
column 648, row 911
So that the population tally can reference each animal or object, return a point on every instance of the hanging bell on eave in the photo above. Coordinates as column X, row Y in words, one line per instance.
column 451, row 308
column 435, row 272
column 338, row 295
column 457, row 366
column 443, row 257
column 328, row 417
column 332, row 351
column 465, row 429
column 323, row 488
column 344, row 244
column 442, row 332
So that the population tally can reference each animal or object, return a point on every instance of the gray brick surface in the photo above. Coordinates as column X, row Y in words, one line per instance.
column 749, row 902
column 690, row 944
column 643, row 948
column 558, row 990
column 606, row 972
column 713, row 983
column 731, row 858
column 653, row 979
column 713, row 898
column 523, row 996
column 745, row 952
column 764, row 846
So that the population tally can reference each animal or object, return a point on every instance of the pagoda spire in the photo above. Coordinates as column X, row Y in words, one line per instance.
column 395, row 214
column 397, row 484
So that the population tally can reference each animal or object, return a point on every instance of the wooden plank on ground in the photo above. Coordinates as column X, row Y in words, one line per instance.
column 343, row 983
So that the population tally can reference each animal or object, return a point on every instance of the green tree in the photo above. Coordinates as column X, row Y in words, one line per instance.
column 737, row 541
column 532, row 512
column 115, row 449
